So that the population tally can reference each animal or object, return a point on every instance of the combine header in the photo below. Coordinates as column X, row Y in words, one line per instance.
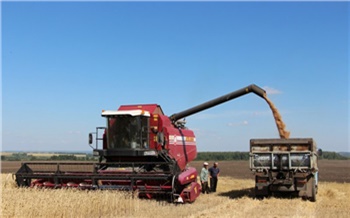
column 143, row 151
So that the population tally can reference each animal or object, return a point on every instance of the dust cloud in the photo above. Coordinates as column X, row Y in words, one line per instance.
column 284, row 134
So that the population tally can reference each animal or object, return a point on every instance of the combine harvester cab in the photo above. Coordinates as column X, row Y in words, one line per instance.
column 284, row 165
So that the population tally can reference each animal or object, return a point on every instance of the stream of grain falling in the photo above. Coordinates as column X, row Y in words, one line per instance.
column 284, row 134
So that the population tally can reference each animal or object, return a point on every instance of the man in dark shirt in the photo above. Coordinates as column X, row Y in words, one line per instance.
column 214, row 174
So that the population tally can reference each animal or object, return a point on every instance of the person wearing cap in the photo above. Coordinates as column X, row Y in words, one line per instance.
column 213, row 175
column 204, row 178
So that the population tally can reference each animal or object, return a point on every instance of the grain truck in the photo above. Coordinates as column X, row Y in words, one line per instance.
column 285, row 165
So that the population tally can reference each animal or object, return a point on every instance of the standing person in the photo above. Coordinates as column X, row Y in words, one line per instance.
column 214, row 174
column 204, row 178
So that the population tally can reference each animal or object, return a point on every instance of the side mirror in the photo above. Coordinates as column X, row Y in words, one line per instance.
column 91, row 138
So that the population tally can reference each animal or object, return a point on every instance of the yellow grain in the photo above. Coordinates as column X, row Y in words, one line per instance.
column 233, row 199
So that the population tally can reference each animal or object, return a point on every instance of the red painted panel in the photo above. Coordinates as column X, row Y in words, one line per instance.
column 152, row 108
column 187, row 176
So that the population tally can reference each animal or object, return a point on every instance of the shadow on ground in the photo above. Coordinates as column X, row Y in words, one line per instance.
column 249, row 192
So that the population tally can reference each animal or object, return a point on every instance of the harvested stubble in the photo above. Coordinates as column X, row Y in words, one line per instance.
column 233, row 199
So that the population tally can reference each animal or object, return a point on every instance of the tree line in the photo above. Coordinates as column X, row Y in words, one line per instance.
column 22, row 156
column 201, row 156
column 220, row 156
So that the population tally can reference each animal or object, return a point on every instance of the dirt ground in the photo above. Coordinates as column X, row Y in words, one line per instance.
column 329, row 170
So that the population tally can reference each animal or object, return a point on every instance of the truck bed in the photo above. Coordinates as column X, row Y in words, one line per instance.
column 283, row 154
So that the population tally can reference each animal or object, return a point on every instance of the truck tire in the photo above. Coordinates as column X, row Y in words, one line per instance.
column 313, row 190
column 260, row 194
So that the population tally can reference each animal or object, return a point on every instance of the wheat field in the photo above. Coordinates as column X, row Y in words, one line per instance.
column 233, row 199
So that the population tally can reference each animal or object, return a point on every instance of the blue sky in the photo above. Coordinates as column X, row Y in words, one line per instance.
column 63, row 62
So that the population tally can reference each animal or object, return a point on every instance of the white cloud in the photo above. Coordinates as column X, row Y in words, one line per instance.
column 243, row 123
column 271, row 91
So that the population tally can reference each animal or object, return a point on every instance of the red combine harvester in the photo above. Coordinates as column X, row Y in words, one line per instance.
column 143, row 151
